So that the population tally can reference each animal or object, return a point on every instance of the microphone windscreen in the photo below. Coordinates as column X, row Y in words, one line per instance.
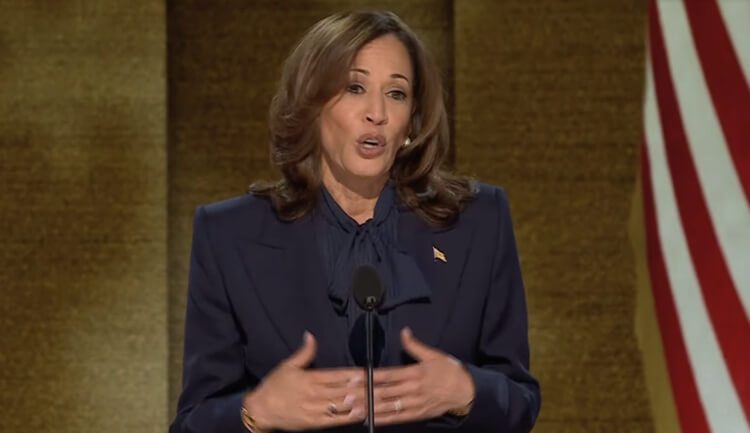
column 368, row 287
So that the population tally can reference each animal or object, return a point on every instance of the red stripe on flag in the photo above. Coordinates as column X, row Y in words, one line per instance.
column 720, row 296
column 689, row 408
column 727, row 83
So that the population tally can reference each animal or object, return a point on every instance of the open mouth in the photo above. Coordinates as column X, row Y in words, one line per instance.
column 372, row 140
column 372, row 143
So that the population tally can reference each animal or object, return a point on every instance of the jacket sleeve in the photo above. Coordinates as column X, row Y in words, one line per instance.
column 507, row 397
column 214, row 379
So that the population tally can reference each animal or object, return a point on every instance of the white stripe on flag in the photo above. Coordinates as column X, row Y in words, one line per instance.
column 715, row 389
column 721, row 186
column 736, row 15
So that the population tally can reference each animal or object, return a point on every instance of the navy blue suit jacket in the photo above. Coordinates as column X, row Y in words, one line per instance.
column 256, row 284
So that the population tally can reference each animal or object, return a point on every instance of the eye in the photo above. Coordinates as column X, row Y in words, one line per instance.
column 397, row 95
column 355, row 88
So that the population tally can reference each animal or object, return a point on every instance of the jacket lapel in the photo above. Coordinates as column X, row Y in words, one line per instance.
column 285, row 268
column 428, row 319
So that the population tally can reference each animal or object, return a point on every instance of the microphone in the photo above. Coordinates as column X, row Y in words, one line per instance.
column 369, row 292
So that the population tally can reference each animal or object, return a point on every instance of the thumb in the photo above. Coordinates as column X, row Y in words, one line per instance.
column 303, row 356
column 416, row 348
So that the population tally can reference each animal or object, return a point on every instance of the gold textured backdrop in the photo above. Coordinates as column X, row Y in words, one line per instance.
column 83, row 335
column 117, row 120
column 548, row 103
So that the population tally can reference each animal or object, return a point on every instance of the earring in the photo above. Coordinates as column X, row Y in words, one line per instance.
column 407, row 142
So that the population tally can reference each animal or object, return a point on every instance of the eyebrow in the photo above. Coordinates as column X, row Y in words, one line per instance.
column 394, row 75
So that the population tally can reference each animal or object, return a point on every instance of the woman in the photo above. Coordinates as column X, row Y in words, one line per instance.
column 273, row 341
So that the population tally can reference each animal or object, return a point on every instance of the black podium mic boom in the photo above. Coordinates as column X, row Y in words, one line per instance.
column 369, row 292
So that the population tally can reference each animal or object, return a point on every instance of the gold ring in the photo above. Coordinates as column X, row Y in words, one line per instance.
column 332, row 410
column 399, row 406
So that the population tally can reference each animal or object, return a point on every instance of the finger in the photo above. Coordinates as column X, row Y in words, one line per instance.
column 398, row 418
column 315, row 414
column 326, row 421
column 324, row 418
column 410, row 413
column 348, row 403
column 397, row 405
column 303, row 356
column 400, row 411
column 343, row 377
column 400, row 389
column 337, row 394
column 333, row 407
column 388, row 375
column 416, row 348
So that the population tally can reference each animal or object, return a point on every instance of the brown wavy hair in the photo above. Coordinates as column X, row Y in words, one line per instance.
column 316, row 71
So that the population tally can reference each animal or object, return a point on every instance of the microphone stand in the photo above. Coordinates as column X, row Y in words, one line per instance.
column 368, row 290
column 370, row 350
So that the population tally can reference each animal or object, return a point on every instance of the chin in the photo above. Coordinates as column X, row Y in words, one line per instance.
column 372, row 175
column 369, row 172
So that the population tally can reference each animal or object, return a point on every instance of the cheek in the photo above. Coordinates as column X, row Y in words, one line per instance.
column 330, row 135
column 338, row 122
column 402, row 116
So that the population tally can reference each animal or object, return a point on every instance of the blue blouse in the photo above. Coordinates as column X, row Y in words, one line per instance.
column 345, row 245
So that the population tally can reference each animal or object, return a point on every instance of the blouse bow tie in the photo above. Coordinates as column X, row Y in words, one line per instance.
column 372, row 243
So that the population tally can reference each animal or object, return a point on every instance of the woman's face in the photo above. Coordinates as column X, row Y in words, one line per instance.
column 363, row 127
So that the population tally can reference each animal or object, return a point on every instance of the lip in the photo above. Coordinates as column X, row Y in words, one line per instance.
column 380, row 138
column 367, row 151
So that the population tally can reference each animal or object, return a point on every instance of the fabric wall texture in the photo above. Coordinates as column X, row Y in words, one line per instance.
column 83, row 326
column 547, row 105
column 116, row 121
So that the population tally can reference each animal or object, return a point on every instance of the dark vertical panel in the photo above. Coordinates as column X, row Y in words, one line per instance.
column 224, row 60
column 548, row 105
column 82, row 216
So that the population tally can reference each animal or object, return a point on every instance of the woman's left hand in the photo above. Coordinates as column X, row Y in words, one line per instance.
column 436, row 384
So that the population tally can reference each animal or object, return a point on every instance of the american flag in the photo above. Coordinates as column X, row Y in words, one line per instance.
column 695, row 177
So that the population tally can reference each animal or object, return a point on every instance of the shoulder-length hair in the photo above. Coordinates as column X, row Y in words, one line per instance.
column 318, row 70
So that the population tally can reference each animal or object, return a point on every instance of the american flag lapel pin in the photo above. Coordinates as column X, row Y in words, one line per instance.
column 438, row 255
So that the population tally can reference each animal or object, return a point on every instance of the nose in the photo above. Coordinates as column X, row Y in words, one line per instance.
column 375, row 111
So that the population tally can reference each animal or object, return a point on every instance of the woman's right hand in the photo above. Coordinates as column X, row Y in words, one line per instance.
column 292, row 398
